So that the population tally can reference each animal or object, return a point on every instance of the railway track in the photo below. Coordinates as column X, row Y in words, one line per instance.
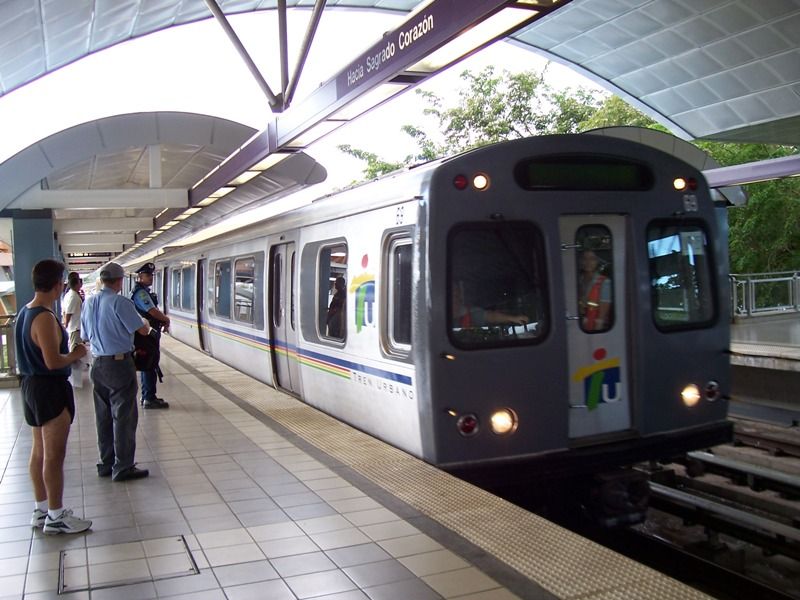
column 742, row 516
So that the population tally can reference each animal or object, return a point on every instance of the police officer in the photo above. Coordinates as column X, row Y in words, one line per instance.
column 108, row 321
column 146, row 303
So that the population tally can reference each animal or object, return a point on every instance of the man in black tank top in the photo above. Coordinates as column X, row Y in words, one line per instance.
column 49, row 406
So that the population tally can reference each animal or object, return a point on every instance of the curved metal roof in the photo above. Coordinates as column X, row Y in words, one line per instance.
column 716, row 69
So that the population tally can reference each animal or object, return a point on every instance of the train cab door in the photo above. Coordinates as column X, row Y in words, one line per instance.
column 201, row 302
column 283, row 317
column 596, row 290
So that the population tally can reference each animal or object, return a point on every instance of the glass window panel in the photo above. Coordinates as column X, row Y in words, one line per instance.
column 187, row 288
column 400, row 294
column 332, row 309
column 594, row 268
column 244, row 288
column 681, row 280
column 176, row 288
column 497, row 285
column 222, row 289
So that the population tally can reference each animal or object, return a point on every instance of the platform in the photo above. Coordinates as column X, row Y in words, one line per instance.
column 767, row 342
column 253, row 494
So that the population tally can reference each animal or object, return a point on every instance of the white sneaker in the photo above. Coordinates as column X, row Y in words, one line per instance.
column 65, row 523
column 38, row 517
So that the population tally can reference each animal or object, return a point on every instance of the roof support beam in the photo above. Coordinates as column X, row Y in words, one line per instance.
column 80, row 248
column 311, row 30
column 36, row 197
column 124, row 225
column 415, row 51
column 762, row 170
column 275, row 102
column 78, row 239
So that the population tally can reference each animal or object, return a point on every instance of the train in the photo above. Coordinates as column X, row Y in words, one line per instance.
column 544, row 308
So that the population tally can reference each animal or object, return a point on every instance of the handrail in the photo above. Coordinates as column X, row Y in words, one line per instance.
column 755, row 294
column 8, row 358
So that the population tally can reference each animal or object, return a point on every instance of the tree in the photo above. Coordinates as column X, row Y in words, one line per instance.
column 764, row 234
column 491, row 108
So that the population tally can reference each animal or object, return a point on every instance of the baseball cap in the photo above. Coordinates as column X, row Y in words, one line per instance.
column 146, row 268
column 111, row 270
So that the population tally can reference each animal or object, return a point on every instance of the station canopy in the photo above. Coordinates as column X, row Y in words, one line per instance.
column 706, row 69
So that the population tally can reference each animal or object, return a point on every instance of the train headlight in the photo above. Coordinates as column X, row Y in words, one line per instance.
column 504, row 421
column 680, row 184
column 480, row 182
column 467, row 425
column 690, row 395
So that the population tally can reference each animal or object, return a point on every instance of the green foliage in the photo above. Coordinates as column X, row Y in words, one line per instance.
column 493, row 107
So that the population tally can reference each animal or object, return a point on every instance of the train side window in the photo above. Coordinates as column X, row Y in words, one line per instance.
column 244, row 289
column 222, row 288
column 497, row 285
column 594, row 257
column 187, row 288
column 175, row 297
column 277, row 279
column 332, row 304
column 681, row 276
column 399, row 282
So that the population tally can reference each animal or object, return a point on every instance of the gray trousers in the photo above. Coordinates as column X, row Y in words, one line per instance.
column 116, row 412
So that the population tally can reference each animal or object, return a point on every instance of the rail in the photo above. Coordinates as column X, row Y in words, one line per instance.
column 754, row 294
column 8, row 359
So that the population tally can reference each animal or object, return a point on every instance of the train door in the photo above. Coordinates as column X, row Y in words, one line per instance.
column 201, row 302
column 283, row 317
column 595, row 289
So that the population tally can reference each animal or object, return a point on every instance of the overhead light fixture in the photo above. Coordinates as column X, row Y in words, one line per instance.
column 226, row 189
column 244, row 177
column 270, row 161
column 207, row 201
column 370, row 100
column 476, row 37
column 316, row 132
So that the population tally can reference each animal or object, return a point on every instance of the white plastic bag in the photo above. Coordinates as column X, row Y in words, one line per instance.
column 76, row 377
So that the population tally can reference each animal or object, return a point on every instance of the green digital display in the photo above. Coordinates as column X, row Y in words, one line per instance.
column 582, row 173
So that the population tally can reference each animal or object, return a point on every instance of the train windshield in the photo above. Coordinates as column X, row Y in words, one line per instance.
column 680, row 276
column 496, row 285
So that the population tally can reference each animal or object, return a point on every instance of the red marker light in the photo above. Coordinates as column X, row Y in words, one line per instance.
column 460, row 182
column 467, row 425
column 692, row 183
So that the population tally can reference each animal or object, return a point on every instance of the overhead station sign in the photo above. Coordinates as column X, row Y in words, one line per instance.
column 417, row 38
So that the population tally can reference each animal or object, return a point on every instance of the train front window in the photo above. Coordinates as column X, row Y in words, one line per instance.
column 496, row 285
column 681, row 279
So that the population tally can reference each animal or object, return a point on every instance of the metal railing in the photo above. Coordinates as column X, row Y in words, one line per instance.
column 755, row 294
column 8, row 359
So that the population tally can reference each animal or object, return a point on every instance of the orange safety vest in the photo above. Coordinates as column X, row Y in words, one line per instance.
column 593, row 303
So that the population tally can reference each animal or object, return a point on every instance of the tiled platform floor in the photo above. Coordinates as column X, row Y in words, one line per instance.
column 255, row 495
column 263, row 518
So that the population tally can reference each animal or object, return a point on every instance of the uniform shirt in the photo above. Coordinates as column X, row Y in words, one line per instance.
column 108, row 322
column 72, row 306
column 142, row 300
column 29, row 356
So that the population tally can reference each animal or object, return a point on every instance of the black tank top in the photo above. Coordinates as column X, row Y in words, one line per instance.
column 29, row 356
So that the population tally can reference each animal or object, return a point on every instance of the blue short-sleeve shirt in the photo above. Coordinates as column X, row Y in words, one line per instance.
column 142, row 300
column 108, row 321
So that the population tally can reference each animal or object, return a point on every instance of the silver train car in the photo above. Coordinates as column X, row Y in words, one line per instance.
column 548, row 306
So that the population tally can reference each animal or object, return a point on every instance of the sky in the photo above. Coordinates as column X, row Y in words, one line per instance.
column 194, row 68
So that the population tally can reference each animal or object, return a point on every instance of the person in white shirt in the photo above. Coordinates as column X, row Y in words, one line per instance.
column 71, row 311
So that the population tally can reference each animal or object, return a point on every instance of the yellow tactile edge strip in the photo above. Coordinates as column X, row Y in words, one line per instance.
column 565, row 564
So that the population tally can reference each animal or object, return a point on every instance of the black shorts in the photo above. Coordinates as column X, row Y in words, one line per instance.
column 44, row 397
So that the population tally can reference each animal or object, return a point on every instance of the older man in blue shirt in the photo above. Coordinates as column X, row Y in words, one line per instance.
column 108, row 321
